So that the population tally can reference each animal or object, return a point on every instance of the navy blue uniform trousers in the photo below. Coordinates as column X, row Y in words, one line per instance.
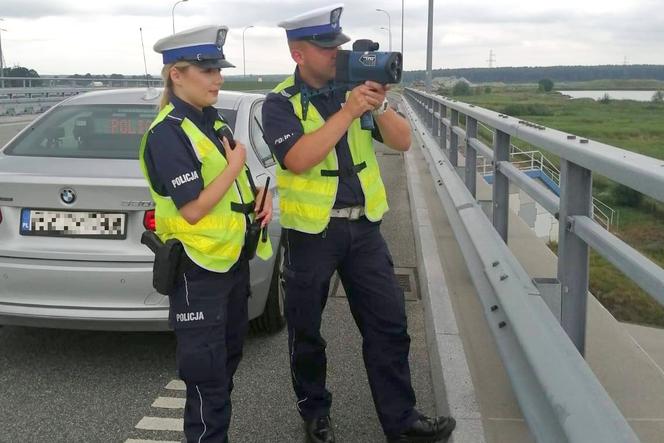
column 357, row 250
column 210, row 318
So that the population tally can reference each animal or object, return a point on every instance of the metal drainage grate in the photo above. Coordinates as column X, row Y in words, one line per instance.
column 408, row 282
column 404, row 282
column 406, row 278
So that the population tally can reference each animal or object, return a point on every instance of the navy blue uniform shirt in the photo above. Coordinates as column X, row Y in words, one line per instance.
column 171, row 161
column 282, row 129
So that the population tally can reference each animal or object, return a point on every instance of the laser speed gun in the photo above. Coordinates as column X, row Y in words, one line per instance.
column 366, row 63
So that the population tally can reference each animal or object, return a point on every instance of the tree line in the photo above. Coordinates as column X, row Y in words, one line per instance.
column 527, row 74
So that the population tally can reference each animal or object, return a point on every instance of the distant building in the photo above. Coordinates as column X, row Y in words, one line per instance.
column 449, row 82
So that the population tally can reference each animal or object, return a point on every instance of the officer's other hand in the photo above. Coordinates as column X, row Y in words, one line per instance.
column 358, row 102
column 265, row 216
column 235, row 157
column 376, row 93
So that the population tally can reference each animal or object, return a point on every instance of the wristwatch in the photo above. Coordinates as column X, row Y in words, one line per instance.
column 380, row 110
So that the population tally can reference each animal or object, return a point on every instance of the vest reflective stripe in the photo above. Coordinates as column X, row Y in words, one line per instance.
column 306, row 199
column 216, row 241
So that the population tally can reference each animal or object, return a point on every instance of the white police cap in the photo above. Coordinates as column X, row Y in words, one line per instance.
column 321, row 27
column 203, row 46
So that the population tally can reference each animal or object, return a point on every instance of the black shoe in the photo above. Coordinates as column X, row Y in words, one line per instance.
column 319, row 430
column 427, row 430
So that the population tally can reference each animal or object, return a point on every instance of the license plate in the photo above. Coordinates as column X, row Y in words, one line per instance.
column 73, row 224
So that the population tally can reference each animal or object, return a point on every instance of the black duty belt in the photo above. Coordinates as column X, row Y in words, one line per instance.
column 345, row 172
column 186, row 264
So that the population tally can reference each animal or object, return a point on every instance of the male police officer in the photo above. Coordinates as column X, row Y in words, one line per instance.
column 332, row 200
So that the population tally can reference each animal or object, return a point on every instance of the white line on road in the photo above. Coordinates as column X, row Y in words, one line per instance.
column 161, row 424
column 169, row 403
column 176, row 385
column 131, row 440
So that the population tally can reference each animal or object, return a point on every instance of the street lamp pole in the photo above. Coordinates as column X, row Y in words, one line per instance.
column 383, row 28
column 389, row 25
column 2, row 60
column 429, row 47
column 173, row 13
column 402, row 15
column 2, row 64
column 244, row 57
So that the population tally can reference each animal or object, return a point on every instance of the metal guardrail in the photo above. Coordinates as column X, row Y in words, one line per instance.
column 37, row 99
column 579, row 158
column 51, row 82
column 559, row 395
column 17, row 101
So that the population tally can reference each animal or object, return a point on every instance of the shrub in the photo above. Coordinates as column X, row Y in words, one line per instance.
column 606, row 99
column 545, row 85
column 626, row 196
column 461, row 88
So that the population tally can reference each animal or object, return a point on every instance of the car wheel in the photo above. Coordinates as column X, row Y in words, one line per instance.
column 272, row 319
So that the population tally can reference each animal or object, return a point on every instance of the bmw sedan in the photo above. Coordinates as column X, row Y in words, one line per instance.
column 73, row 207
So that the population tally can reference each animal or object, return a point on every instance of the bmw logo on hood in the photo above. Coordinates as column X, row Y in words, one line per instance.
column 68, row 196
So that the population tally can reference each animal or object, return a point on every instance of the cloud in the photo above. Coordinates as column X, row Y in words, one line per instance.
column 46, row 35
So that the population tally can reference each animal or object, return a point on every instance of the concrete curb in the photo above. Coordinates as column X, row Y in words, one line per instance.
column 454, row 391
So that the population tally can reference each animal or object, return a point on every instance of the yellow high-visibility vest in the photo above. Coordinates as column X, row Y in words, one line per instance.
column 216, row 241
column 306, row 199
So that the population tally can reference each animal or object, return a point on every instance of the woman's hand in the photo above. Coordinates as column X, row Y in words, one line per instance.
column 265, row 216
column 235, row 157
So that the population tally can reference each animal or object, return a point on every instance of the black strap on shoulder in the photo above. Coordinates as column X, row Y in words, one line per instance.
column 221, row 117
column 346, row 172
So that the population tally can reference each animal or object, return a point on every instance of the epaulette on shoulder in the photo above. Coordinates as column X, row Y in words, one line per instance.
column 290, row 91
column 172, row 118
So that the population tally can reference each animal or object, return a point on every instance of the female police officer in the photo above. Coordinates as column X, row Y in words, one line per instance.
column 203, row 196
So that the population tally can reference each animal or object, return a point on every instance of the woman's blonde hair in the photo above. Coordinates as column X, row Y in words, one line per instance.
column 168, row 83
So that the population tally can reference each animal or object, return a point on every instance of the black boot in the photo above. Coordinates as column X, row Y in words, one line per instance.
column 319, row 430
column 426, row 430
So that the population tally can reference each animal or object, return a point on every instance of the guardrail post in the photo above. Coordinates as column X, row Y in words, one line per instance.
column 434, row 106
column 430, row 103
column 454, row 139
column 471, row 156
column 501, row 184
column 573, row 252
column 443, row 128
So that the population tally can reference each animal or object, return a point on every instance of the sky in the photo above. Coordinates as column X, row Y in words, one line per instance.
column 75, row 36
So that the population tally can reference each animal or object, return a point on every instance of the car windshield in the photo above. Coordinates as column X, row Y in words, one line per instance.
column 90, row 131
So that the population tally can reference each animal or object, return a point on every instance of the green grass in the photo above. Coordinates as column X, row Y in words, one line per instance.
column 632, row 125
column 635, row 126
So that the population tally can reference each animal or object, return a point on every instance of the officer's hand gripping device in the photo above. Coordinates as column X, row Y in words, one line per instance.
column 254, row 230
column 365, row 63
